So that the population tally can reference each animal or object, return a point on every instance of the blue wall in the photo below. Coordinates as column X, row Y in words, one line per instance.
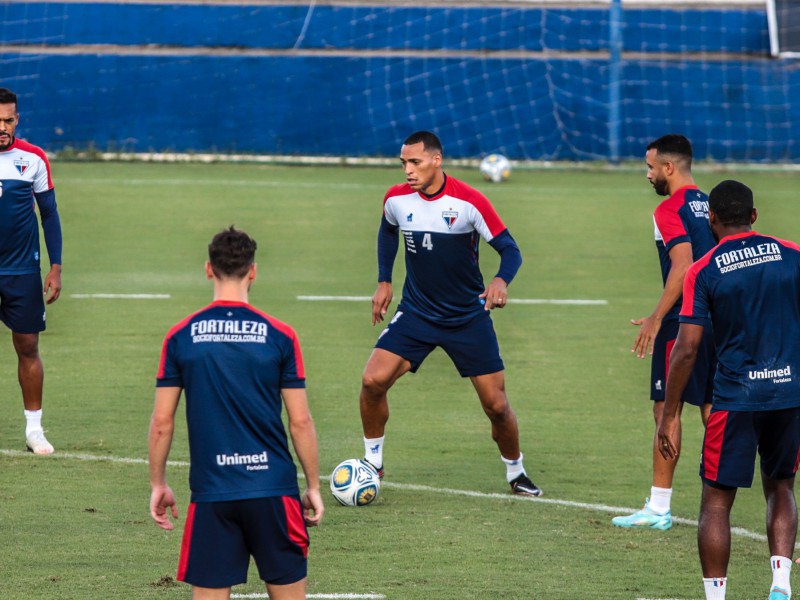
column 343, row 99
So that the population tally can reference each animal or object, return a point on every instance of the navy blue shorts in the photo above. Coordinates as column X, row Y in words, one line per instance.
column 733, row 437
column 700, row 388
column 472, row 347
column 22, row 302
column 220, row 537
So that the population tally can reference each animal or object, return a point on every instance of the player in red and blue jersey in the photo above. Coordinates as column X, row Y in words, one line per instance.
column 25, row 181
column 445, row 304
column 682, row 235
column 750, row 286
column 238, row 367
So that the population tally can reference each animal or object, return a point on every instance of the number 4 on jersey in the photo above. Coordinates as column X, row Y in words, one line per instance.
column 426, row 241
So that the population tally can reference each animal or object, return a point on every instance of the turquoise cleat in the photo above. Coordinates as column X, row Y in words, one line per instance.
column 777, row 593
column 647, row 519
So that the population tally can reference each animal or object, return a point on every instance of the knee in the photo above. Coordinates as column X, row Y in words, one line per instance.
column 497, row 408
column 27, row 346
column 373, row 386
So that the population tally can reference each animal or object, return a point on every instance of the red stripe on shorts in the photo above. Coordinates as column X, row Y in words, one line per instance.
column 295, row 523
column 183, row 562
column 670, row 344
column 712, row 446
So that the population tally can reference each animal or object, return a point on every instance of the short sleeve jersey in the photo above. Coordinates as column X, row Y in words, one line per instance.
column 441, row 236
column 750, row 284
column 24, row 170
column 683, row 217
column 232, row 362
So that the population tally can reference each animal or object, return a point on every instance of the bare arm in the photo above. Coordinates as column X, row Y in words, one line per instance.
column 304, row 440
column 162, row 427
column 680, row 256
column 681, row 363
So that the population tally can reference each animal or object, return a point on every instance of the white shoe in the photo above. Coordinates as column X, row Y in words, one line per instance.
column 37, row 443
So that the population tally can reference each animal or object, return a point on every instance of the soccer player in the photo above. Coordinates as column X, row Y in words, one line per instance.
column 235, row 364
column 24, row 179
column 682, row 236
column 750, row 284
column 441, row 221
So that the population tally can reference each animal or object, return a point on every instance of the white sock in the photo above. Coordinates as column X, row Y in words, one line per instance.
column 373, row 451
column 33, row 421
column 514, row 468
column 660, row 500
column 781, row 569
column 715, row 587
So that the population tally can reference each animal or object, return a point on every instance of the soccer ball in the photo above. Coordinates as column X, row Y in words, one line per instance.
column 495, row 168
column 355, row 482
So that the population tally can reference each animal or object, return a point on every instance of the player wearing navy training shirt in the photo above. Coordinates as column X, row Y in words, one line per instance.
column 682, row 235
column 235, row 364
column 25, row 181
column 441, row 221
column 750, row 285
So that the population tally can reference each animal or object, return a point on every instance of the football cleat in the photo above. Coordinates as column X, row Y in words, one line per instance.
column 378, row 469
column 37, row 443
column 523, row 486
column 777, row 593
column 645, row 519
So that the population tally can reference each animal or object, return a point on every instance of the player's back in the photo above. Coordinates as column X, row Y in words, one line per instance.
column 232, row 362
column 752, row 283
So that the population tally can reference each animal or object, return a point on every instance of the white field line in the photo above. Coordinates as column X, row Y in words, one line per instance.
column 124, row 296
column 737, row 531
column 510, row 300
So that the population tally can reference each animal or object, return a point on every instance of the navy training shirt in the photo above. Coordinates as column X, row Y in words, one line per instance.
column 232, row 362
column 683, row 217
column 750, row 283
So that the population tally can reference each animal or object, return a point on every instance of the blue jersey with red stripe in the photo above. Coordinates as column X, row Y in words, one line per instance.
column 681, row 218
column 232, row 362
column 750, row 284
column 441, row 235
column 24, row 178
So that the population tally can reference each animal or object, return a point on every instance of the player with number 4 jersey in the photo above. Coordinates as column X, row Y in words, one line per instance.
column 445, row 304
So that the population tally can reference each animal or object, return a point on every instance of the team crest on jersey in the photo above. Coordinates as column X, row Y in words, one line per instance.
column 449, row 217
column 22, row 165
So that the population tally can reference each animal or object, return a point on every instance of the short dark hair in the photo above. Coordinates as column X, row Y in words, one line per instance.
column 231, row 253
column 675, row 144
column 732, row 202
column 7, row 96
column 429, row 140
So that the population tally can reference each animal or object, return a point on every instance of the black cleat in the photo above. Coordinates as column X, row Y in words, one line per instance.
column 379, row 470
column 523, row 486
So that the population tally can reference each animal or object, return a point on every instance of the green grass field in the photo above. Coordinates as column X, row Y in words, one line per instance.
column 76, row 525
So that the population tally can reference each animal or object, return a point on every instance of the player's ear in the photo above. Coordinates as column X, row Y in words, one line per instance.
column 209, row 271
column 753, row 215
column 251, row 274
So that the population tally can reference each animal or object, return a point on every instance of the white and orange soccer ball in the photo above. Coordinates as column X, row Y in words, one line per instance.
column 355, row 482
column 495, row 168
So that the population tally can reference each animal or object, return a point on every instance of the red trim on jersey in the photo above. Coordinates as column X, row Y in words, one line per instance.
column 461, row 191
column 173, row 330
column 739, row 236
column 666, row 215
column 19, row 144
column 295, row 523
column 690, row 281
column 186, row 543
column 712, row 445
column 289, row 332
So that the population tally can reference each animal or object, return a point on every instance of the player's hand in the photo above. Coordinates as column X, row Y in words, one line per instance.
column 381, row 300
column 162, row 498
column 313, row 508
column 495, row 295
column 645, row 340
column 52, row 284
column 667, row 437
